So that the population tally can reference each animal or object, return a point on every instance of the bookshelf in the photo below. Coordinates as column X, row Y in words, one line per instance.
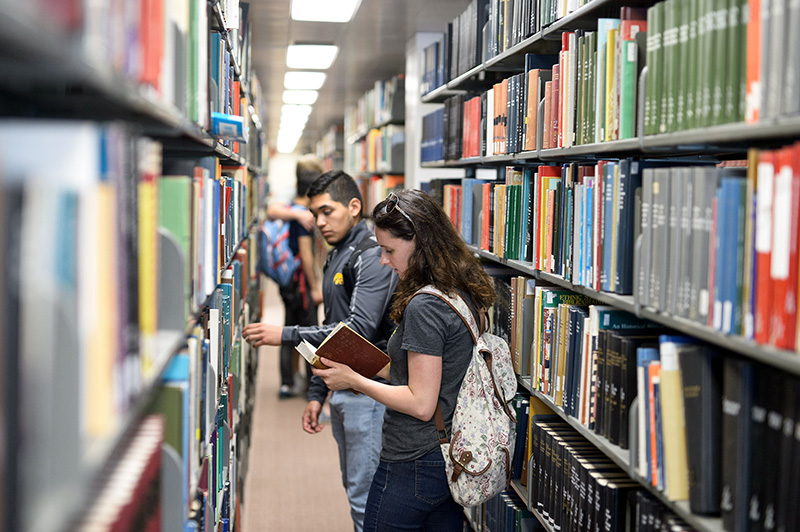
column 694, row 139
column 113, row 300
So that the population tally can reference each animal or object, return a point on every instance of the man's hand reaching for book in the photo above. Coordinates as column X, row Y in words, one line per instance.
column 258, row 334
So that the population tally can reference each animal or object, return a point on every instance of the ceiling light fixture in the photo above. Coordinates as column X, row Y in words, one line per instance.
column 295, row 111
column 303, row 80
column 324, row 10
column 300, row 97
column 314, row 56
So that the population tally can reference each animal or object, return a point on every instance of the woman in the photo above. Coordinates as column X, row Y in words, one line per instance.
column 430, row 352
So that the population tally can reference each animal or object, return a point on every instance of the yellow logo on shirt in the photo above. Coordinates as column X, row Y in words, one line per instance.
column 338, row 278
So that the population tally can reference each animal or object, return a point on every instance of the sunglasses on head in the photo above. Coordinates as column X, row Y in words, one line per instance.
column 392, row 204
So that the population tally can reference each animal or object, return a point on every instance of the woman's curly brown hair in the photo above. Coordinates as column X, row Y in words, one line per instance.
column 440, row 257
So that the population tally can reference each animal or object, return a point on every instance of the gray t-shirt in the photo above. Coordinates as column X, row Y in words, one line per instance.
column 431, row 327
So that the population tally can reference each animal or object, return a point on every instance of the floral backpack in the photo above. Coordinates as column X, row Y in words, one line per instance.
column 478, row 454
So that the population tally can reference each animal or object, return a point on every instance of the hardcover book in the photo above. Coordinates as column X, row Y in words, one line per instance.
column 346, row 346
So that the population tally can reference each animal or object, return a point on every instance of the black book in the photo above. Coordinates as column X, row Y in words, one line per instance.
column 611, row 386
column 626, row 378
column 701, row 377
column 556, row 264
column 574, row 356
column 483, row 123
column 766, row 423
column 614, row 500
column 600, row 357
column 777, row 394
column 789, row 469
column 737, row 402
column 436, row 188
column 521, row 410
column 630, row 180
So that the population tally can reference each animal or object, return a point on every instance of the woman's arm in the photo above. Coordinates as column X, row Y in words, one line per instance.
column 304, row 244
column 418, row 399
column 281, row 211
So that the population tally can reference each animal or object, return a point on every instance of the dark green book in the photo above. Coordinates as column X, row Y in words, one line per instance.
column 692, row 61
column 669, row 76
column 681, row 84
column 655, row 27
column 702, row 100
column 719, row 60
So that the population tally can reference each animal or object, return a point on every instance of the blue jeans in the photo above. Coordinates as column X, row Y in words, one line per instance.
column 412, row 495
column 357, row 423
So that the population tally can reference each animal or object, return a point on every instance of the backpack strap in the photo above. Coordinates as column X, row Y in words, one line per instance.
column 461, row 308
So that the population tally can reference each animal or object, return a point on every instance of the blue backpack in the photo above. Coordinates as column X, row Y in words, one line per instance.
column 275, row 258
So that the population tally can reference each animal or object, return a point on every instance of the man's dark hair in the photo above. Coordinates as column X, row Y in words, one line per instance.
column 338, row 184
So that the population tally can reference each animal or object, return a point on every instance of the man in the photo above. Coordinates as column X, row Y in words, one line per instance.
column 356, row 420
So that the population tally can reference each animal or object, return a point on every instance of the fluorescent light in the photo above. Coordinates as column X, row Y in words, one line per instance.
column 287, row 142
column 289, row 129
column 300, row 97
column 316, row 56
column 303, row 80
column 324, row 10
column 295, row 111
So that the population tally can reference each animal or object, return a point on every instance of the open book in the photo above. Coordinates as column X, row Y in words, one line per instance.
column 346, row 346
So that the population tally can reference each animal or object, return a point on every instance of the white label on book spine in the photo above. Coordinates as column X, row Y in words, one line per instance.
column 782, row 213
column 766, row 176
column 703, row 304
column 727, row 315
column 669, row 357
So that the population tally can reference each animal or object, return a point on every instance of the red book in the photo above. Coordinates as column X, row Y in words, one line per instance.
column 236, row 107
column 151, row 32
column 763, row 244
column 783, row 265
column 753, row 65
column 634, row 20
column 485, row 215
column 654, row 378
column 545, row 172
column 555, row 140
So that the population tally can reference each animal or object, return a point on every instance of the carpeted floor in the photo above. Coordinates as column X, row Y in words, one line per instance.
column 293, row 483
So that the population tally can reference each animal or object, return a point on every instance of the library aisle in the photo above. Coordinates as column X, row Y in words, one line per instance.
column 287, row 467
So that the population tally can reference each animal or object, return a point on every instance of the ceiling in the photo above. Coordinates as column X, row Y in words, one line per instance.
column 371, row 47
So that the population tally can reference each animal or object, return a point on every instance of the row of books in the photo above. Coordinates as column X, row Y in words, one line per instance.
column 704, row 420
column 576, row 221
column 161, row 45
column 731, row 245
column 507, row 512
column 105, row 259
column 375, row 188
column 486, row 29
column 574, row 487
column 226, row 96
column 590, row 89
column 201, row 404
column 582, row 223
column 696, row 56
column 383, row 103
column 123, row 502
column 382, row 150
